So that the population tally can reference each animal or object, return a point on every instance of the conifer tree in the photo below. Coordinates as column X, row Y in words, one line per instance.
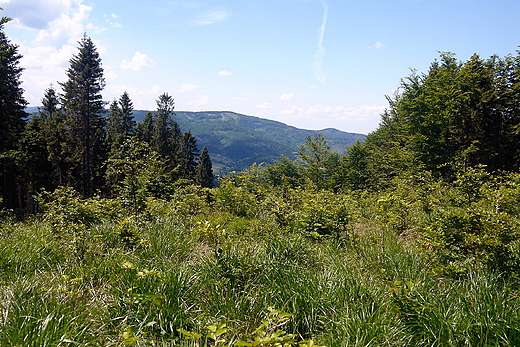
column 12, row 118
column 127, row 119
column 55, row 134
column 163, row 139
column 187, row 158
column 82, row 102
column 144, row 129
column 204, row 171
column 115, row 136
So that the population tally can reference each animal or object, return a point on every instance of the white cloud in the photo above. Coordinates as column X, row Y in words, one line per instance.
column 320, row 53
column 95, row 29
column 202, row 101
column 377, row 45
column 340, row 113
column 43, row 65
column 313, row 87
column 225, row 73
column 109, row 20
column 213, row 17
column 265, row 105
column 110, row 76
column 292, row 110
column 287, row 97
column 241, row 99
column 37, row 14
column 138, row 63
column 188, row 88
column 66, row 29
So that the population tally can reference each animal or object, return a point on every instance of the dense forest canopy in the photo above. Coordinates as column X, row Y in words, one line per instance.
column 458, row 114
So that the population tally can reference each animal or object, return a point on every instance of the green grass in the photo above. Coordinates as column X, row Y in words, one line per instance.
column 184, row 267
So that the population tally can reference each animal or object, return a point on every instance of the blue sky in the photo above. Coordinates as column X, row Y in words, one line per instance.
column 312, row 64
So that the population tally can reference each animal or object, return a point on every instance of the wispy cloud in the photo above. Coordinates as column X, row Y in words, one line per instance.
column 287, row 97
column 320, row 53
column 337, row 113
column 225, row 73
column 139, row 62
column 202, row 101
column 265, row 105
column 377, row 45
column 186, row 87
column 92, row 28
column 110, row 21
column 212, row 17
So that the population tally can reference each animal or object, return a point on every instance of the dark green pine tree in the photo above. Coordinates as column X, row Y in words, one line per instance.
column 55, row 133
column 204, row 171
column 163, row 141
column 187, row 157
column 120, row 122
column 115, row 136
column 127, row 119
column 82, row 102
column 37, row 169
column 12, row 119
column 144, row 129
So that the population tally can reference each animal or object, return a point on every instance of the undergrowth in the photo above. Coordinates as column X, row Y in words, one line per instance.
column 252, row 265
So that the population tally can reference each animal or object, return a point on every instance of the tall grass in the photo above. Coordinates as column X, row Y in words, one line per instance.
column 137, row 281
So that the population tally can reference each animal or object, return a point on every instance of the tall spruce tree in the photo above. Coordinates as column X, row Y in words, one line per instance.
column 144, row 129
column 12, row 118
column 163, row 139
column 204, row 171
column 115, row 135
column 55, row 133
column 127, row 119
column 82, row 102
column 187, row 157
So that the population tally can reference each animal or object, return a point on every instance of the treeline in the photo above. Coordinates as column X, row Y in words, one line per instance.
column 75, row 141
column 456, row 116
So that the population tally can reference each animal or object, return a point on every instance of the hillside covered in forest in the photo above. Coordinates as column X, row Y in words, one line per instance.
column 236, row 141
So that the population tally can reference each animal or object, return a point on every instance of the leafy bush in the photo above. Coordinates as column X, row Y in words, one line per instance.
column 325, row 213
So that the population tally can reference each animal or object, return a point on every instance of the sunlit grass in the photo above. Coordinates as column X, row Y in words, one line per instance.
column 175, row 271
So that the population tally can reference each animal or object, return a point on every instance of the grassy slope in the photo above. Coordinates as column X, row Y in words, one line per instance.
column 186, row 266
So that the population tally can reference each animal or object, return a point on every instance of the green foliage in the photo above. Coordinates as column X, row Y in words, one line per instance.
column 236, row 141
column 316, row 158
column 242, row 193
column 131, row 172
column 324, row 213
column 84, row 107
column 268, row 333
column 456, row 114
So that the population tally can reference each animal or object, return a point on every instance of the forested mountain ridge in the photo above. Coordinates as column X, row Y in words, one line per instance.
column 236, row 141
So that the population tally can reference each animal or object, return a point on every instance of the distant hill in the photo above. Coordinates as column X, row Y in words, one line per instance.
column 236, row 141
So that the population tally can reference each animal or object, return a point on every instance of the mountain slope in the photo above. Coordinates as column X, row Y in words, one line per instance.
column 236, row 141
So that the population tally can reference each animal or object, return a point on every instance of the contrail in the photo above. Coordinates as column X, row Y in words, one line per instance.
column 320, row 53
